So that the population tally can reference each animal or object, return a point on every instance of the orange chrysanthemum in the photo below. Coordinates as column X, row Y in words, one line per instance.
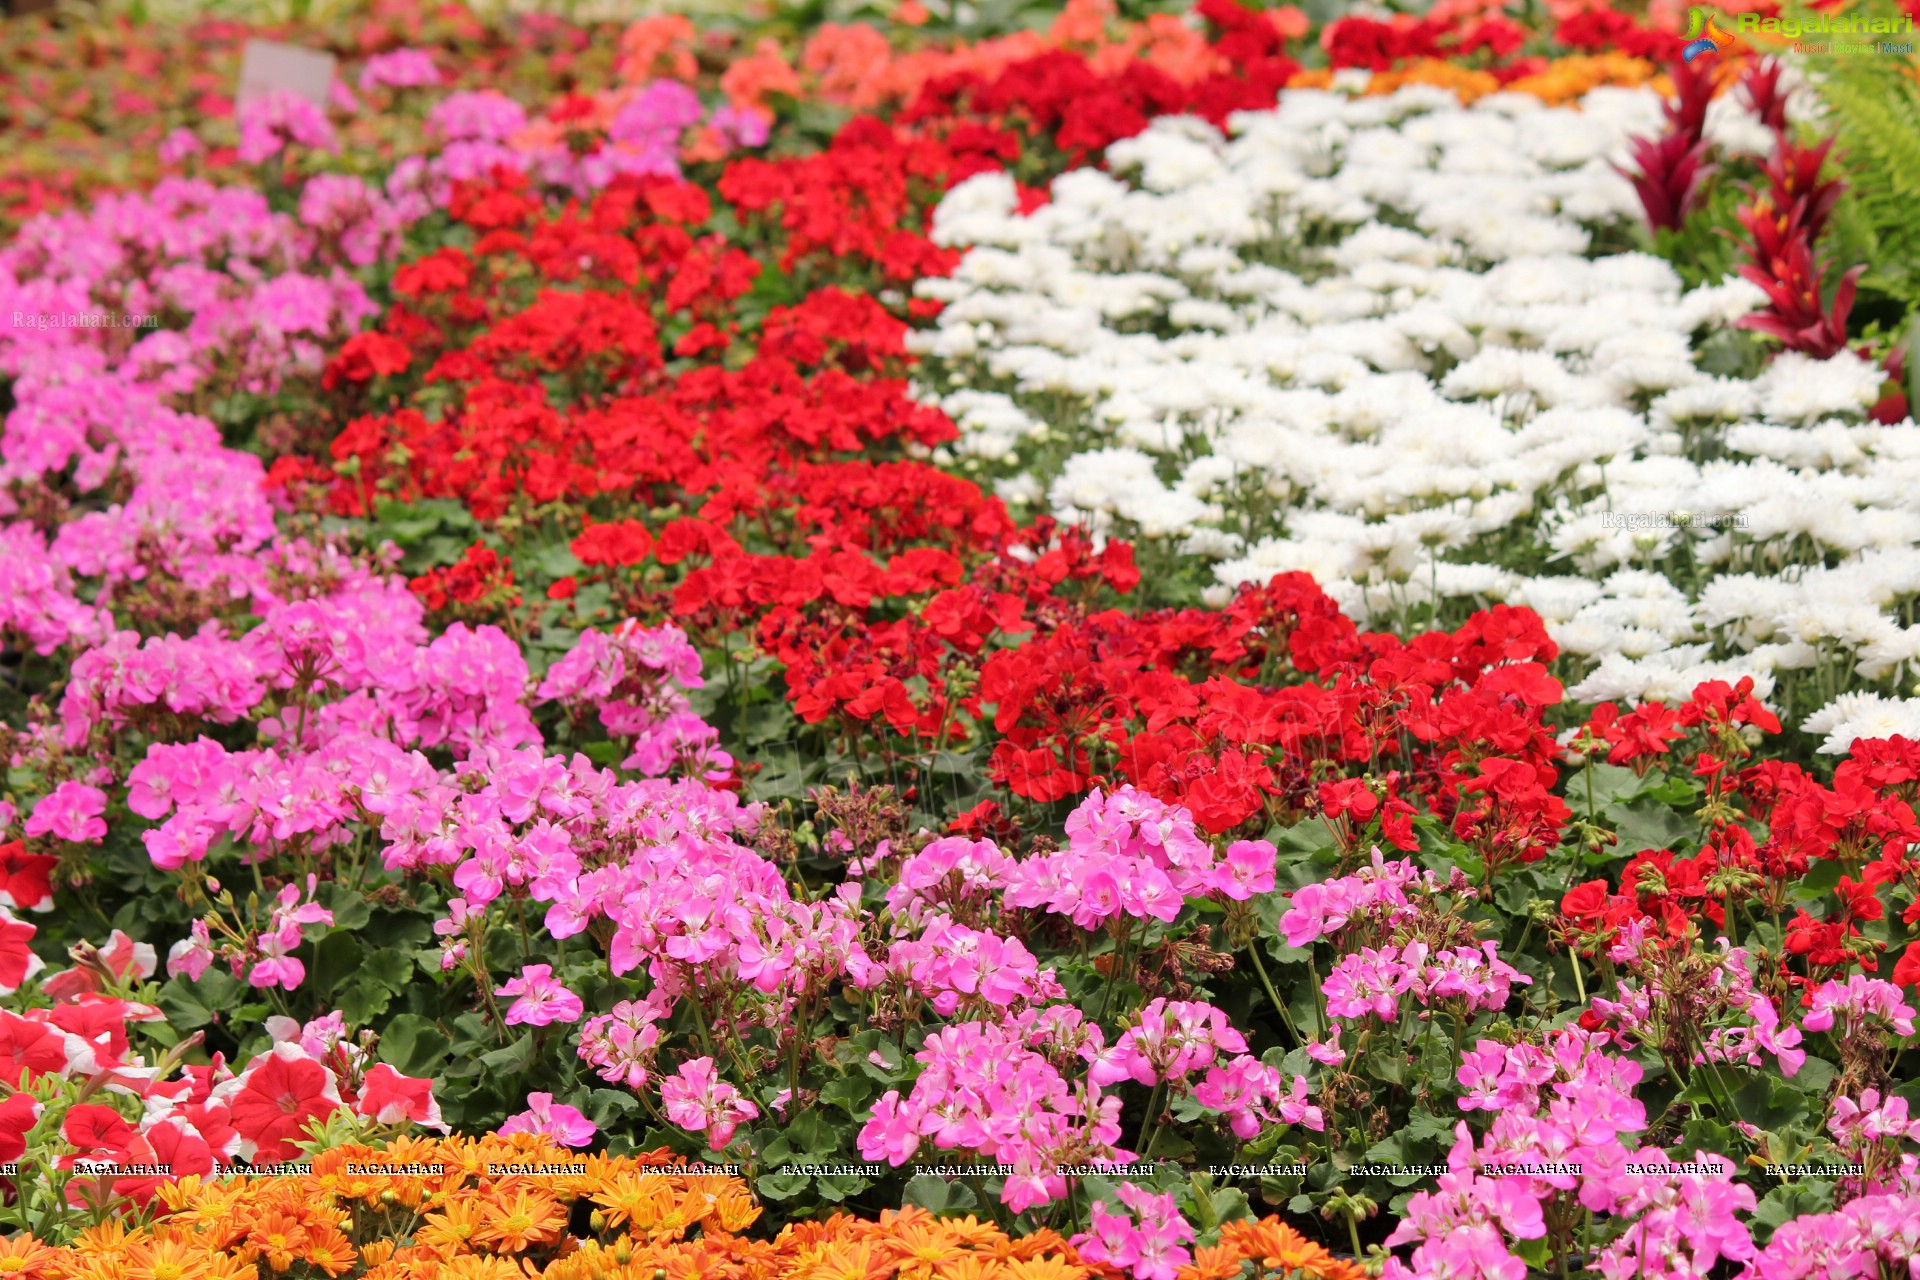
column 1277, row 1246
column 26, row 1258
column 528, row 1217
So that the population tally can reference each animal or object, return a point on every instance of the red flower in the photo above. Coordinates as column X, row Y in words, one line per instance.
column 387, row 1097
column 1586, row 902
column 623, row 542
column 32, row 1046
column 24, row 877
column 442, row 271
column 366, row 356
column 180, row 1147
column 1906, row 972
column 272, row 1101
column 17, row 960
column 18, row 1114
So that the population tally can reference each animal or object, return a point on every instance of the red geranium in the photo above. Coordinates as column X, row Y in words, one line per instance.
column 622, row 542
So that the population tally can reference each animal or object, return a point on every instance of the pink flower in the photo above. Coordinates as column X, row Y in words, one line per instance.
column 543, row 999
column 697, row 1099
column 400, row 69
column 564, row 1124
column 72, row 811
column 192, row 954
column 1151, row 1250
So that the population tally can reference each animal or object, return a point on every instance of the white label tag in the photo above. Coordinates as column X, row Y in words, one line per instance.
column 267, row 67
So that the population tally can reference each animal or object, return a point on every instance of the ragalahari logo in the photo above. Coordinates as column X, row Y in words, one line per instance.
column 1703, row 37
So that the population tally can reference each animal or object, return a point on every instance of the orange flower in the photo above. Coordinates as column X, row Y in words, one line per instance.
column 1046, row 1267
column 973, row 1266
column 107, row 1238
column 1082, row 22
column 665, row 38
column 330, row 1251
column 279, row 1238
column 25, row 1257
column 920, row 1247
column 530, row 1217
column 1213, row 1262
column 641, row 1199
column 751, row 80
column 166, row 1260
column 1277, row 1246
column 452, row 1229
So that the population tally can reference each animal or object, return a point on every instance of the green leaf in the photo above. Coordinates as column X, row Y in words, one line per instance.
column 391, row 969
column 938, row 1196
column 351, row 911
column 1814, row 1075
column 1791, row 1200
column 1537, row 1254
column 836, row 1187
column 1769, row 1103
column 605, row 1105
column 363, row 999
column 850, row 1094
column 336, row 958
column 1648, row 825
column 413, row 1046
column 812, row 1134
column 513, row 1060
column 1820, row 880
column 782, row 1186
column 1611, row 783
column 190, row 1005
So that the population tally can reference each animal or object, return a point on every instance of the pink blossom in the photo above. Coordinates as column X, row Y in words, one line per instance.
column 697, row 1099
column 71, row 811
column 543, row 999
column 565, row 1125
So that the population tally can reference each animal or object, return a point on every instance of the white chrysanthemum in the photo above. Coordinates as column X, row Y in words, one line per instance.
column 1796, row 388
column 1852, row 716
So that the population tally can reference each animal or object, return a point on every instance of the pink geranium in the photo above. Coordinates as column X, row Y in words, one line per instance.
column 543, row 999
column 697, row 1099
column 564, row 1124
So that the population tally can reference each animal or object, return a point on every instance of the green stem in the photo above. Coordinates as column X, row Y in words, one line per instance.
column 1286, row 1015
column 1147, row 1121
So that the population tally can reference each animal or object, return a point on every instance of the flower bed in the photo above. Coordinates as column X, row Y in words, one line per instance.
column 644, row 622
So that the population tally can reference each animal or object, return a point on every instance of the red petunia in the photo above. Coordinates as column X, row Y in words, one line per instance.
column 17, row 960
column 18, row 1114
column 271, row 1102
column 25, row 882
column 387, row 1097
